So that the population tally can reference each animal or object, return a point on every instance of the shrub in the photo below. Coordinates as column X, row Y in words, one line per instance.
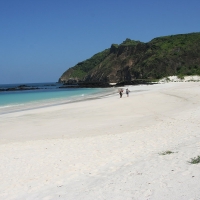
column 166, row 152
column 195, row 160
column 180, row 76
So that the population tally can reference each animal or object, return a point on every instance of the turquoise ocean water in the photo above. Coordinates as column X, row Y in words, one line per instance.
column 49, row 94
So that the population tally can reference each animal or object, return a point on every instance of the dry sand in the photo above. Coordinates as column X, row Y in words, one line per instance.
column 107, row 148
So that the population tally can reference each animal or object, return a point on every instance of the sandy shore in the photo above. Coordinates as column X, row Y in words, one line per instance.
column 107, row 148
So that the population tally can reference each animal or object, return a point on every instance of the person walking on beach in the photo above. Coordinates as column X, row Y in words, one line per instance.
column 127, row 92
column 121, row 93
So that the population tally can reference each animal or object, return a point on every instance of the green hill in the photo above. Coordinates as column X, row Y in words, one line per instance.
column 134, row 60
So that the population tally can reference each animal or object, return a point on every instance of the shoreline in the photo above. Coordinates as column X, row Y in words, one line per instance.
column 116, row 107
column 35, row 105
column 105, row 148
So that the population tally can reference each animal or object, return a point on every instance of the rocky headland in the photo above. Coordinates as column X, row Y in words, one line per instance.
column 135, row 62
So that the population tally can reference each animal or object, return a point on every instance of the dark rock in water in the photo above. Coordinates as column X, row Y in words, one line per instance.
column 86, row 85
column 19, row 89
column 2, row 90
column 94, row 84
column 20, row 86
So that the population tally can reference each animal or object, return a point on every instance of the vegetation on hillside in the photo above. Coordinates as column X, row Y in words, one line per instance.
column 163, row 56
column 82, row 68
column 129, row 42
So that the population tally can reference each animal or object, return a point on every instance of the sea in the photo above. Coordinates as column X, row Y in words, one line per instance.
column 48, row 94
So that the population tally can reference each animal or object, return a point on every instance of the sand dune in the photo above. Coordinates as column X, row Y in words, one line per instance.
column 107, row 148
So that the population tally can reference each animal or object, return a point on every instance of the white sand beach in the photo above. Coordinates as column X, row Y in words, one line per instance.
column 105, row 149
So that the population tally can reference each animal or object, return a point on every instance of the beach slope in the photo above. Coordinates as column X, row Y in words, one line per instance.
column 137, row 147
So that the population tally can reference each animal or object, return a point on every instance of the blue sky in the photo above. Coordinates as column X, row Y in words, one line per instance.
column 40, row 39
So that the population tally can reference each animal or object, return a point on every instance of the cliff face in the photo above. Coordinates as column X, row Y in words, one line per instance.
column 132, row 60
